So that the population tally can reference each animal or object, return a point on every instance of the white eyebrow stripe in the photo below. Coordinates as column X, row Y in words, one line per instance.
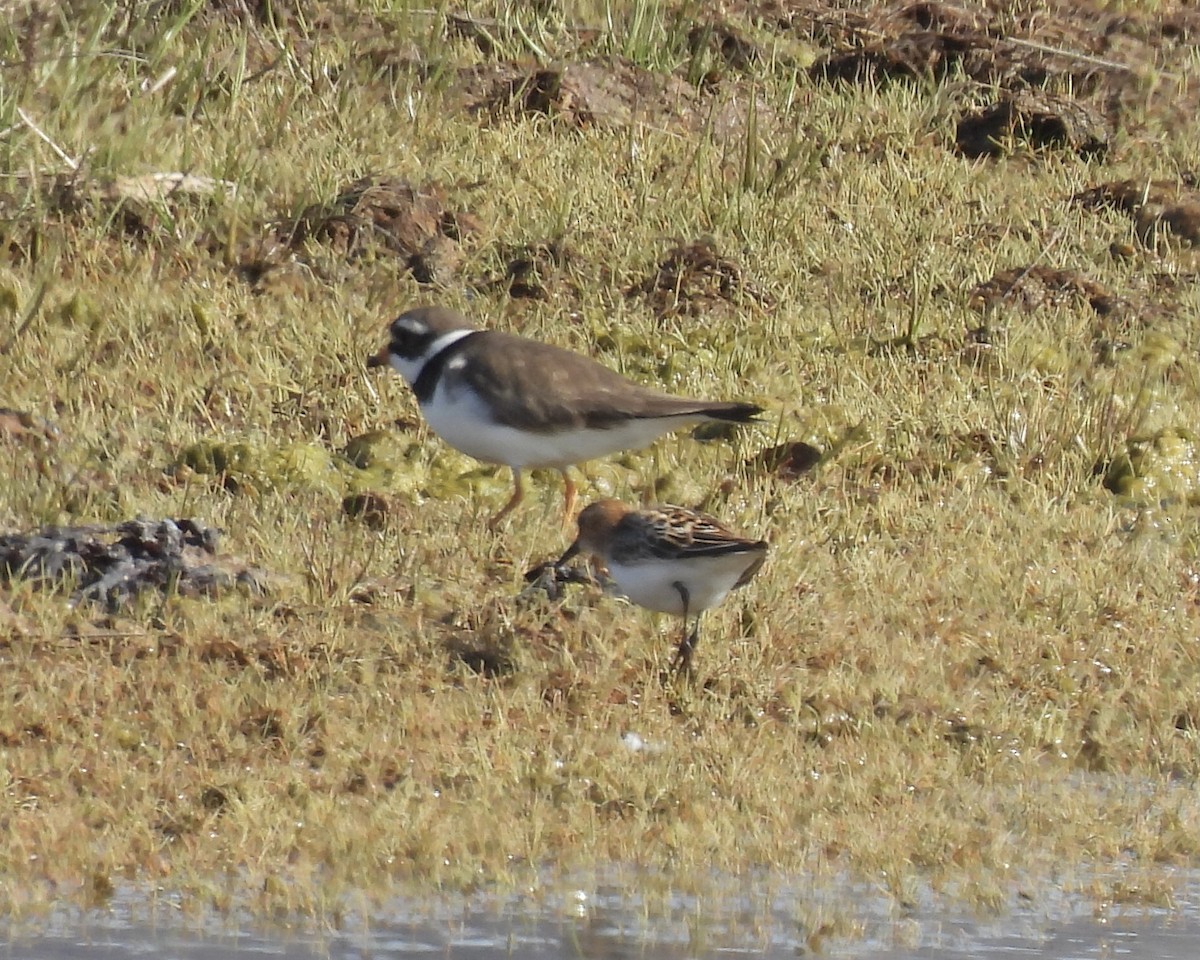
column 412, row 325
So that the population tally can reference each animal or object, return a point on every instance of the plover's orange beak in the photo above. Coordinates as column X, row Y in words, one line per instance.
column 379, row 359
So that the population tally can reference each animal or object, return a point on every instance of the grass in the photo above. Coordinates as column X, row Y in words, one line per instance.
column 963, row 644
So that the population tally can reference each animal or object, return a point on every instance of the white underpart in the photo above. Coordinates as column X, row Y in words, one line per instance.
column 651, row 583
column 461, row 419
column 411, row 369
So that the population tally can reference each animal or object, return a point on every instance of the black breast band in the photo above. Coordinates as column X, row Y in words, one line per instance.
column 427, row 379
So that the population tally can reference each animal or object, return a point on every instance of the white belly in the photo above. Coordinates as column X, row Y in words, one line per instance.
column 706, row 579
column 464, row 423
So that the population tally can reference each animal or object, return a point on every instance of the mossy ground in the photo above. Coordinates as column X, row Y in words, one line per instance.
column 978, row 624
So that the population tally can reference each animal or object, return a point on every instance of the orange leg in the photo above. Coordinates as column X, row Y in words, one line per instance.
column 569, row 496
column 518, row 493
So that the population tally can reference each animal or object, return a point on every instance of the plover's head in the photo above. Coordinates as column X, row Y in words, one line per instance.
column 597, row 522
column 418, row 334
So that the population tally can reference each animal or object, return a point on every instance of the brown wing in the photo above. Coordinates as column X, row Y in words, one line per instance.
column 540, row 385
column 676, row 532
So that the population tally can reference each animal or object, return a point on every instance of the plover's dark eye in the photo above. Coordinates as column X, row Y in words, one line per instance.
column 409, row 336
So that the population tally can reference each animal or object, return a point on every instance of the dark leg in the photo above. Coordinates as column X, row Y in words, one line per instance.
column 683, row 657
column 687, row 643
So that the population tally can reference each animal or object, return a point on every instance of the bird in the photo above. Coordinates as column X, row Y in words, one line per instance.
column 511, row 400
column 667, row 558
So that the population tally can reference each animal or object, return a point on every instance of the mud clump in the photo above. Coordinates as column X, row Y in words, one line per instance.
column 785, row 461
column 726, row 44
column 371, row 509
column 114, row 565
column 1035, row 288
column 534, row 271
column 906, row 57
column 609, row 92
column 375, row 215
column 1159, row 207
column 384, row 212
column 1078, row 53
column 694, row 278
column 914, row 41
column 278, row 14
column 1042, row 120
column 417, row 225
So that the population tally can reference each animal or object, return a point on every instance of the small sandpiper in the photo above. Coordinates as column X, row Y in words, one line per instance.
column 667, row 558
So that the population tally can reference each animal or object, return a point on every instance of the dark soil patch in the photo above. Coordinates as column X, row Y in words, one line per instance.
column 371, row 509
column 1133, row 30
column 534, row 271
column 695, row 278
column 81, row 202
column 1169, row 287
column 1076, row 50
column 786, row 461
column 113, row 565
column 139, row 208
column 840, row 25
column 912, row 41
column 609, row 92
column 911, row 55
column 725, row 44
column 383, row 213
column 278, row 14
column 483, row 33
column 1158, row 207
column 897, row 47
column 488, row 662
column 1035, row 288
column 1040, row 119
column 373, row 216
column 417, row 225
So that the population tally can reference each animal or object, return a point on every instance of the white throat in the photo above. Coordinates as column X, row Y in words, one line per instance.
column 410, row 369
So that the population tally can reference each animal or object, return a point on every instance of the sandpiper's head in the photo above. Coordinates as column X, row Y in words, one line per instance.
column 597, row 522
column 413, row 337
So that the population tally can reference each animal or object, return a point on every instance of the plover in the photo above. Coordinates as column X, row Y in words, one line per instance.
column 667, row 558
column 506, row 399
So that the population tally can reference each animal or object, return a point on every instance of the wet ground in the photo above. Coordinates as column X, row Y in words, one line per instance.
column 761, row 918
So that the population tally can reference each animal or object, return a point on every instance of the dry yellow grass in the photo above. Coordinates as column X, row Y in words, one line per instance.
column 966, row 660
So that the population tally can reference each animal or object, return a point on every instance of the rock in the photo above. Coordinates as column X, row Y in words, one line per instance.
column 113, row 565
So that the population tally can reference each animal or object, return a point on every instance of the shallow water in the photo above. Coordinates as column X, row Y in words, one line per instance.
column 757, row 918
